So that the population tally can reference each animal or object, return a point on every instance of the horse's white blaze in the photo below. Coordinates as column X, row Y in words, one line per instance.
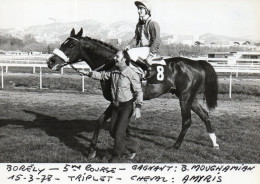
column 61, row 54
column 214, row 139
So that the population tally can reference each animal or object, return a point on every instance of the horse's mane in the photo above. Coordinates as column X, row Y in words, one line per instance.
column 101, row 50
column 101, row 43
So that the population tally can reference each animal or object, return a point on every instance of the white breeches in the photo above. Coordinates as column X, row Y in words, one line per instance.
column 141, row 52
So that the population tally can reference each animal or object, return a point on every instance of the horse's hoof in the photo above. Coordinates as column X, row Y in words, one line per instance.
column 176, row 146
column 93, row 154
column 115, row 160
column 216, row 147
column 169, row 147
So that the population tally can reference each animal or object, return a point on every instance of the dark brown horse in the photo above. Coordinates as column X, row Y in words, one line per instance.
column 180, row 76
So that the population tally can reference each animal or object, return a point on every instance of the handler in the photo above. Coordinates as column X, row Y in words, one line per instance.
column 126, row 91
column 146, row 39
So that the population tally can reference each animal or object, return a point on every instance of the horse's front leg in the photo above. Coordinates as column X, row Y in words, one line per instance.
column 186, row 119
column 101, row 121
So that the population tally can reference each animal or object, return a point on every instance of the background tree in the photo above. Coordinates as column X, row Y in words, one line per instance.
column 28, row 39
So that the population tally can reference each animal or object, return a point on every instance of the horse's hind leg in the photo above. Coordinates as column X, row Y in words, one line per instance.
column 203, row 114
column 101, row 121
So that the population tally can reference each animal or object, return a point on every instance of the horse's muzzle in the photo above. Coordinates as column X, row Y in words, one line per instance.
column 48, row 62
column 51, row 65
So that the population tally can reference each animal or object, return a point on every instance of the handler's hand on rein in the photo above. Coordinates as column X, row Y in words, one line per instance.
column 83, row 72
column 137, row 113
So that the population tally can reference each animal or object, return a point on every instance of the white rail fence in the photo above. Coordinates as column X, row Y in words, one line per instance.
column 220, row 65
column 235, row 69
column 40, row 66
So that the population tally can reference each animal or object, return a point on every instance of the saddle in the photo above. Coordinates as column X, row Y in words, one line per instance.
column 158, row 60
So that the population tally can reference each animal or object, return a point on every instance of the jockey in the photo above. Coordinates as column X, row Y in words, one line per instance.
column 146, row 39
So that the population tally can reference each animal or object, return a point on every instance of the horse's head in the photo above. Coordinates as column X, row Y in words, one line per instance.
column 68, row 53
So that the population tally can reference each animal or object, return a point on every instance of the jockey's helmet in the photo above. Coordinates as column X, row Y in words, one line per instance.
column 144, row 4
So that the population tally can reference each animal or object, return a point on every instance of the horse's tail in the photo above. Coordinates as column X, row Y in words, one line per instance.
column 211, row 85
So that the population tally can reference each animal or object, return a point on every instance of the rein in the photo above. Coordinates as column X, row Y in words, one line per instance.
column 65, row 59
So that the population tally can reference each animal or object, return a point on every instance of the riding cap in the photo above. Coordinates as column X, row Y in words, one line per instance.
column 144, row 4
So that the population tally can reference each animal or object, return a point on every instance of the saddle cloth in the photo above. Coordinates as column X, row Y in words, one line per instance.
column 142, row 53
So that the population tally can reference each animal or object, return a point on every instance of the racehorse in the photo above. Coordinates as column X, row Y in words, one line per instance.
column 180, row 76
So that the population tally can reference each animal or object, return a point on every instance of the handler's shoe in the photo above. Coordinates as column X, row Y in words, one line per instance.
column 132, row 156
column 116, row 159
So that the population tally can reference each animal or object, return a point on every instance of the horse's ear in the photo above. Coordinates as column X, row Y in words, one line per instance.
column 72, row 33
column 80, row 33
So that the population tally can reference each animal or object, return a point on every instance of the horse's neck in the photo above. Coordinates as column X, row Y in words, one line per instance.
column 97, row 55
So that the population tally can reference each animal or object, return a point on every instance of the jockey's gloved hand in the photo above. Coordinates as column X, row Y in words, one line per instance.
column 127, row 48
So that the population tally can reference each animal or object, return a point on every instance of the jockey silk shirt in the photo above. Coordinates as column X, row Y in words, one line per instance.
column 147, row 34
column 125, row 85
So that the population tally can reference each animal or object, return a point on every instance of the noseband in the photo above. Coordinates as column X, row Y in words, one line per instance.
column 63, row 56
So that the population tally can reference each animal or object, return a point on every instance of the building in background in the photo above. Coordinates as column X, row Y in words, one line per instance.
column 180, row 38
column 234, row 57
column 114, row 41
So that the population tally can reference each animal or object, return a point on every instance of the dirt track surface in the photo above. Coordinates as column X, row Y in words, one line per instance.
column 29, row 116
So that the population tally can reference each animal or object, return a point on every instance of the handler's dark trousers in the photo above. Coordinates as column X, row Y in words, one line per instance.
column 120, row 119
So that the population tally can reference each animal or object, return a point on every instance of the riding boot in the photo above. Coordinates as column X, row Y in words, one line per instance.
column 147, row 67
column 142, row 64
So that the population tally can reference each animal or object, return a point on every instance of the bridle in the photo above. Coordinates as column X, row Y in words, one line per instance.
column 63, row 56
column 66, row 59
